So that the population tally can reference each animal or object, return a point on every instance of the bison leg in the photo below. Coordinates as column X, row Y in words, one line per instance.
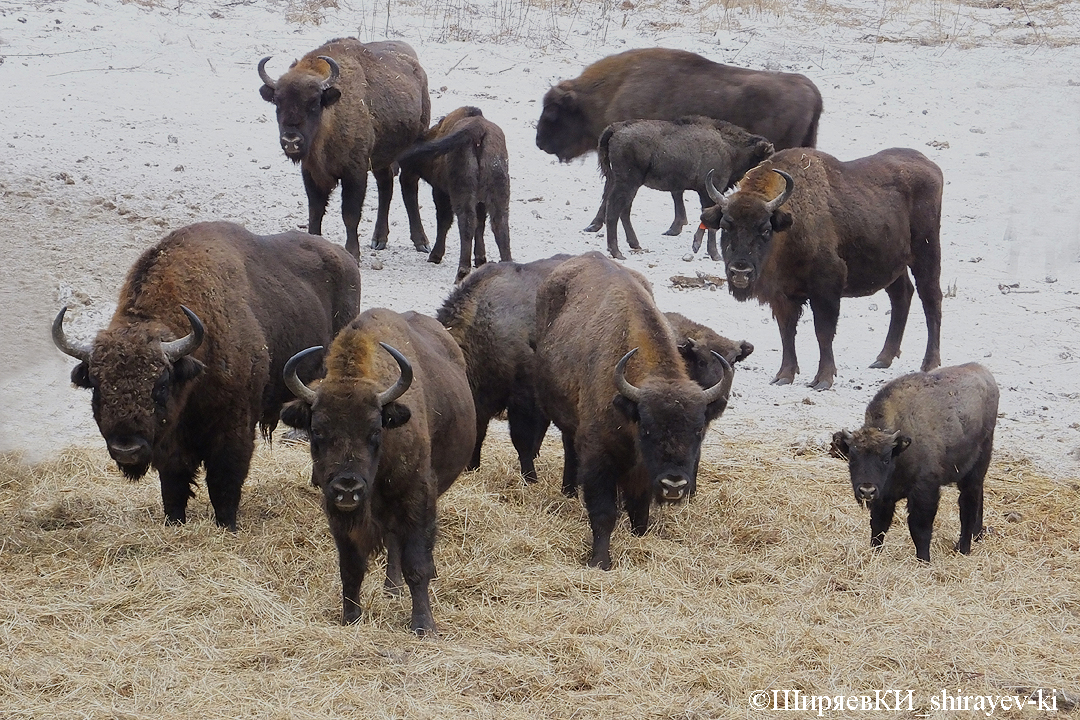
column 927, row 272
column 971, row 501
column 226, row 469
column 410, row 190
column 680, row 215
column 570, row 466
column 598, row 476
column 922, row 507
column 714, row 253
column 394, row 582
column 618, row 207
column 353, row 566
column 826, row 314
column 176, row 488
column 317, row 198
column 787, row 315
column 444, row 218
column 900, row 291
column 353, row 190
column 479, row 249
column 528, row 425
column 384, row 183
column 500, row 228
column 418, row 565
column 601, row 213
column 465, row 213
column 637, row 507
column 881, row 517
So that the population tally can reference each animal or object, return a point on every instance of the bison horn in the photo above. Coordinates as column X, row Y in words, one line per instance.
column 295, row 384
column 335, row 71
column 404, row 381
column 79, row 352
column 716, row 195
column 625, row 388
column 176, row 349
column 721, row 389
column 789, row 185
column 267, row 80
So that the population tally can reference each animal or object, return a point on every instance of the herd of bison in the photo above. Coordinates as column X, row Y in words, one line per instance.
column 218, row 330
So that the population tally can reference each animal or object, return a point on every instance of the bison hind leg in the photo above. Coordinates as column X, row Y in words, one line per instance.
column 680, row 215
column 900, row 292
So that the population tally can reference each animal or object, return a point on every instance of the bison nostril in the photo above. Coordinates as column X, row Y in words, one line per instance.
column 867, row 491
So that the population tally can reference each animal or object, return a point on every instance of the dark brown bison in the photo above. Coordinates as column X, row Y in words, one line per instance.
column 611, row 379
column 390, row 431
column 343, row 109
column 463, row 157
column 922, row 431
column 193, row 356
column 672, row 155
column 700, row 346
column 806, row 227
column 664, row 84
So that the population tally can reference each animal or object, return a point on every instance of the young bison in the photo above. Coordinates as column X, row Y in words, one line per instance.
column 463, row 157
column 674, row 156
column 922, row 431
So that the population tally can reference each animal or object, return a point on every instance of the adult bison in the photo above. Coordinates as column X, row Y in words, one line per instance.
column 665, row 84
column 922, row 431
column 672, row 155
column 611, row 379
column 343, row 109
column 806, row 227
column 193, row 356
column 463, row 157
column 390, row 431
column 702, row 347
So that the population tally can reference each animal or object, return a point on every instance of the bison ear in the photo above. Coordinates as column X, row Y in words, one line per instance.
column 395, row 415
column 627, row 407
column 267, row 93
column 711, row 216
column 715, row 409
column 764, row 149
column 781, row 221
column 80, row 375
column 687, row 348
column 186, row 368
column 900, row 444
column 839, row 447
column 330, row 96
column 296, row 414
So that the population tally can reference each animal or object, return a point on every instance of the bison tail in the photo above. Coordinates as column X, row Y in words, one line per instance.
column 602, row 157
column 423, row 152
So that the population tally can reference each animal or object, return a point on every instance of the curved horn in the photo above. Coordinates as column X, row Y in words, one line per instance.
column 722, row 389
column 267, row 80
column 625, row 388
column 79, row 352
column 176, row 349
column 716, row 195
column 789, row 185
column 335, row 71
column 404, row 381
column 295, row 384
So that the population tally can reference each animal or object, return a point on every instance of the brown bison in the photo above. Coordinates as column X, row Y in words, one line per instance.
column 343, row 109
column 390, row 431
column 463, row 157
column 922, row 431
column 193, row 356
column 701, row 347
column 806, row 227
column 672, row 155
column 611, row 379
column 664, row 84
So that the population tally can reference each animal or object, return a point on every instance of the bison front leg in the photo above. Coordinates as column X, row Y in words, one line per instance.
column 410, row 190
column 384, row 182
column 598, row 479
column 787, row 314
column 353, row 190
column 570, row 466
column 394, row 580
column 226, row 467
column 922, row 508
column 317, row 197
column 528, row 425
column 881, row 517
column 353, row 566
column 900, row 292
column 680, row 214
column 444, row 218
column 418, row 566
column 826, row 314
column 176, row 488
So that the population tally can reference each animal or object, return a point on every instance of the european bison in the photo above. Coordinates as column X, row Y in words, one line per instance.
column 697, row 345
column 390, row 432
column 672, row 155
column 343, row 109
column 665, row 84
column 193, row 356
column 611, row 379
column 804, row 226
column 463, row 157
column 922, row 431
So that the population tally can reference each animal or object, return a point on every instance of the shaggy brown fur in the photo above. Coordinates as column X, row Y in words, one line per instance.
column 381, row 466
column 848, row 229
column 463, row 157
column 377, row 107
column 260, row 299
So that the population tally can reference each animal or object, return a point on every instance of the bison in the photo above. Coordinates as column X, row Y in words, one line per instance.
column 665, row 84
column 343, row 109
column 463, row 157
column 924, row 430
column 193, row 356
column 806, row 227
column 700, row 346
column 611, row 379
column 390, row 432
column 673, row 155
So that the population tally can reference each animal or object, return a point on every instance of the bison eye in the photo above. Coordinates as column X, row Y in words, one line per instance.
column 725, row 223
column 160, row 393
column 375, row 437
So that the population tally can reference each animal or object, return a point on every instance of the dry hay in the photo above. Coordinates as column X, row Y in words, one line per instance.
column 764, row 581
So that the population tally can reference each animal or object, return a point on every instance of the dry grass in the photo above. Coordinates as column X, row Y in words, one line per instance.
column 764, row 581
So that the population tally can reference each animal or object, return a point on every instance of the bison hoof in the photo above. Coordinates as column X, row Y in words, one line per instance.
column 673, row 230
column 462, row 273
column 423, row 248
column 821, row 385
column 377, row 244
column 594, row 226
column 781, row 380
column 433, row 258
column 618, row 255
column 879, row 363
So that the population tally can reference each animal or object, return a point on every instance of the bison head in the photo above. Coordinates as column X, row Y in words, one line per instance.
column 671, row 417
column 563, row 128
column 747, row 222
column 871, row 455
column 345, row 419
column 708, row 365
column 140, row 382
column 300, row 96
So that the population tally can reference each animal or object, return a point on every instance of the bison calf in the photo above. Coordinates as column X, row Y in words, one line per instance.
column 390, row 430
column 463, row 157
column 674, row 156
column 922, row 431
